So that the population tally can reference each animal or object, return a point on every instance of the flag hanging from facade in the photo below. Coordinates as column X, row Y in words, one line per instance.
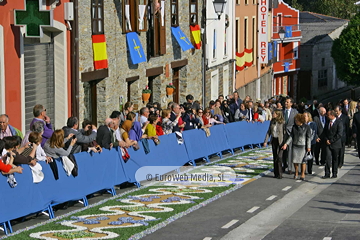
column 196, row 36
column 244, row 59
column 181, row 38
column 286, row 66
column 99, row 48
column 288, row 31
column 136, row 50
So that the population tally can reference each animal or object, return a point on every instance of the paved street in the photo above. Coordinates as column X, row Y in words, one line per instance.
column 269, row 208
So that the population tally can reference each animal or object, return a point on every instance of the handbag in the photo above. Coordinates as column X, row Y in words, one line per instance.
column 308, row 156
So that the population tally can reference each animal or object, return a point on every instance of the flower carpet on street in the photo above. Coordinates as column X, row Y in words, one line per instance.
column 142, row 211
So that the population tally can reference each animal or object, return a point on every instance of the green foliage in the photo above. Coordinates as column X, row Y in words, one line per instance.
column 346, row 52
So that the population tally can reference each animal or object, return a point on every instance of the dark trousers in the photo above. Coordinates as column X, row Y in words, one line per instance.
column 332, row 158
column 341, row 154
column 319, row 147
column 310, row 163
column 277, row 156
column 358, row 144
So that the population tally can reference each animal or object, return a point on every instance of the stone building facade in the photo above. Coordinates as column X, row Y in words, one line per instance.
column 317, row 76
column 102, row 91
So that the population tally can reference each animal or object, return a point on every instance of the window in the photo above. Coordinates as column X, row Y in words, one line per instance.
column 156, row 38
column 245, row 33
column 176, row 83
column 237, row 37
column 246, row 2
column 225, row 38
column 323, row 62
column 174, row 13
column 214, row 44
column 254, row 40
column 296, row 50
column 134, row 16
column 97, row 17
column 322, row 78
column 193, row 12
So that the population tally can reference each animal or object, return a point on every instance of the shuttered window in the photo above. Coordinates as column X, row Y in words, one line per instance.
column 39, row 76
column 156, row 35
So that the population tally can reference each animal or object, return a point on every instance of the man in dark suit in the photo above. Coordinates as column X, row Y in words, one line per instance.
column 345, row 109
column 313, row 109
column 105, row 136
column 356, row 128
column 72, row 126
column 331, row 137
column 320, row 123
column 289, row 115
column 346, row 122
column 175, row 111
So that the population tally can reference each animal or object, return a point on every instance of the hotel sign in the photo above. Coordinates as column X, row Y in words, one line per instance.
column 263, row 30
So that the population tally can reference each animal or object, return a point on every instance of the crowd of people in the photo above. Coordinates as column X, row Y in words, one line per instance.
column 302, row 135
column 297, row 131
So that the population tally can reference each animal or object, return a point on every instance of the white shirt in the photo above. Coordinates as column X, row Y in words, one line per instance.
column 332, row 123
column 143, row 120
column 275, row 135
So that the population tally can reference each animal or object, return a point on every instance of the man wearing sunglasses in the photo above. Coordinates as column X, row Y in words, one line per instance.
column 40, row 115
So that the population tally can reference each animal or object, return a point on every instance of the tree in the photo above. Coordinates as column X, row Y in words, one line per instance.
column 346, row 52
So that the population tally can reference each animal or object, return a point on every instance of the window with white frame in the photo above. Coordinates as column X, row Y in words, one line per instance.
column 296, row 50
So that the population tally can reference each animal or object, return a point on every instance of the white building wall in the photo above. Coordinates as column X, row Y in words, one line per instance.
column 219, row 26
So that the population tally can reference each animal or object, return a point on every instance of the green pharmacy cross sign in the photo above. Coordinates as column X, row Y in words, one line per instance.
column 33, row 18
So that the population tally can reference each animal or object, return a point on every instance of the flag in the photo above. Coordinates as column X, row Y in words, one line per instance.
column 286, row 67
column 136, row 50
column 275, row 50
column 181, row 38
column 244, row 59
column 270, row 49
column 196, row 36
column 99, row 48
column 288, row 31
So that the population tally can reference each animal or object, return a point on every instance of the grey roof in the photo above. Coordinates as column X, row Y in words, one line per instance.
column 315, row 27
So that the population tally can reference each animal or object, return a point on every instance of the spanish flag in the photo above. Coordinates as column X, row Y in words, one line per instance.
column 99, row 48
column 244, row 59
column 196, row 36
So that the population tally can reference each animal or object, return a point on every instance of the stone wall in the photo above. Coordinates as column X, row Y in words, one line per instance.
column 120, row 67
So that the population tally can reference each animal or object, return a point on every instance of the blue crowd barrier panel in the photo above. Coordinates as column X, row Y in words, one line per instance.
column 217, row 140
column 168, row 153
column 22, row 200
column 240, row 134
column 99, row 170
column 196, row 144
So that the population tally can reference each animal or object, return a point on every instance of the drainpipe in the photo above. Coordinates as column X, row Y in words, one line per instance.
column 75, row 63
column 204, row 54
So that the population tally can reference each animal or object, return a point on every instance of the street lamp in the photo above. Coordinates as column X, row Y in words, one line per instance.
column 282, row 34
column 219, row 7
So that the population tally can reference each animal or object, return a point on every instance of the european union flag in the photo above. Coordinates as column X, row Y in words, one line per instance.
column 136, row 50
column 288, row 31
column 286, row 67
column 183, row 41
column 270, row 49
column 275, row 49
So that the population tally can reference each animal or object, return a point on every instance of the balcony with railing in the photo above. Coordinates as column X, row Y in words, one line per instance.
column 294, row 28
column 295, row 31
column 294, row 63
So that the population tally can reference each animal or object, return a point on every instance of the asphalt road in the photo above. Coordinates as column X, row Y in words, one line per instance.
column 270, row 208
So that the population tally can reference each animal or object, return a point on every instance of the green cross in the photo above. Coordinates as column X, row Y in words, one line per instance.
column 33, row 18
